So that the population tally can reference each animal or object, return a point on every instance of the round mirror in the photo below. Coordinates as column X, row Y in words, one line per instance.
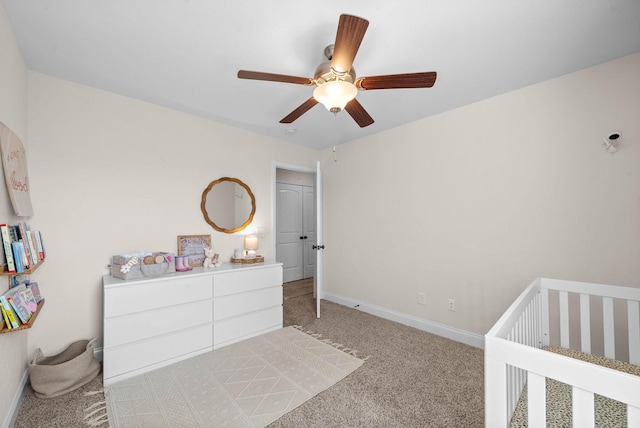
column 228, row 205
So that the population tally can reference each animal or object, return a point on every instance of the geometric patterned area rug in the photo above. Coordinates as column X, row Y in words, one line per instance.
column 246, row 384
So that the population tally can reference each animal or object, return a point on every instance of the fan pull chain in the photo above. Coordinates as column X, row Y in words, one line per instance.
column 335, row 135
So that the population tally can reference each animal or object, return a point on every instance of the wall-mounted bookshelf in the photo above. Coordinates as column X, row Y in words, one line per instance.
column 5, row 272
column 26, row 326
column 24, row 254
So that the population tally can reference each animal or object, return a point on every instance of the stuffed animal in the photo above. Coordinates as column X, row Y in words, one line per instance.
column 212, row 259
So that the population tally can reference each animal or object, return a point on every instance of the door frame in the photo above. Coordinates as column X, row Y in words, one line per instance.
column 274, row 193
column 317, row 283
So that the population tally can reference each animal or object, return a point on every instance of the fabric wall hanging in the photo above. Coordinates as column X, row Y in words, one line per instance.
column 14, row 164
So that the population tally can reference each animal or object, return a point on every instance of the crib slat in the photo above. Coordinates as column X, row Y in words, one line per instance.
column 564, row 319
column 608, row 330
column 633, row 315
column 545, row 316
column 585, row 324
column 633, row 416
column 536, row 401
column 583, row 408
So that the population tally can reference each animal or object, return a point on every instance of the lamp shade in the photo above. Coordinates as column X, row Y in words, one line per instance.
column 335, row 94
column 251, row 242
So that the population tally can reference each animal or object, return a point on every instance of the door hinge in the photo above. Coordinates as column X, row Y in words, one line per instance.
column 318, row 247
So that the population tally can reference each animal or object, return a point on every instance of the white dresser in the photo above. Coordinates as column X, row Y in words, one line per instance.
column 150, row 323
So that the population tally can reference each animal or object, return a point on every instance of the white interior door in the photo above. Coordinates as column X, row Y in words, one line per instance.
column 289, row 233
column 319, row 243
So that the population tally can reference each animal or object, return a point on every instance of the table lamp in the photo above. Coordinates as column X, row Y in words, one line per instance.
column 251, row 245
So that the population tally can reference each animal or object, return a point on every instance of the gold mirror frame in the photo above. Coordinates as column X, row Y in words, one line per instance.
column 203, row 205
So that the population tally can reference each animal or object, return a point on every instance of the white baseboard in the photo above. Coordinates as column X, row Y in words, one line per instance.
column 16, row 402
column 452, row 333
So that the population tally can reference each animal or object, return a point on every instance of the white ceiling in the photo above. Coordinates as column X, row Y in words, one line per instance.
column 184, row 54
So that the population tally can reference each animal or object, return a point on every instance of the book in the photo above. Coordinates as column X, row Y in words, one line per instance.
column 19, row 305
column 13, row 318
column 8, row 251
column 5, row 317
column 35, row 290
column 29, row 299
column 24, row 254
column 39, row 244
column 17, row 256
column 14, row 233
column 31, row 247
column 24, row 240
column 22, row 316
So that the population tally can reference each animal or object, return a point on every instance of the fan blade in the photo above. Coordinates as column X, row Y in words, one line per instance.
column 358, row 113
column 350, row 33
column 271, row 77
column 396, row 81
column 302, row 109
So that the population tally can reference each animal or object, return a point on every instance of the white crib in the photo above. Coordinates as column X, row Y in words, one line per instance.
column 562, row 312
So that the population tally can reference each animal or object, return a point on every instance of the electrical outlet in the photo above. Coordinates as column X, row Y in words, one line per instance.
column 452, row 305
column 422, row 298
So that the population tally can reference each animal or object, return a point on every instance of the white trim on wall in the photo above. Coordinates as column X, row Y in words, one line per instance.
column 452, row 333
column 14, row 408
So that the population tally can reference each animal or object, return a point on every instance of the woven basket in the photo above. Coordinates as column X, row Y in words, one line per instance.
column 243, row 261
column 64, row 372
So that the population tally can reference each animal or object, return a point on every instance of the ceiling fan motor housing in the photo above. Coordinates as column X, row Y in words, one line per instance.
column 324, row 73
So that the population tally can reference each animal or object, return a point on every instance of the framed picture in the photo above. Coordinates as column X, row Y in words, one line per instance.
column 193, row 247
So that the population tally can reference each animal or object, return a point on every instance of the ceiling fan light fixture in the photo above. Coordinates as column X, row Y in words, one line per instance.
column 335, row 94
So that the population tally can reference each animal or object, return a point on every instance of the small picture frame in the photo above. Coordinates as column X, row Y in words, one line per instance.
column 192, row 246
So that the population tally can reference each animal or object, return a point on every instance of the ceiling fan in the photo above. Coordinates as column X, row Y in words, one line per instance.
column 335, row 79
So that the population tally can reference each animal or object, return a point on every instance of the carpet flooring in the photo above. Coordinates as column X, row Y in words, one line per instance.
column 410, row 378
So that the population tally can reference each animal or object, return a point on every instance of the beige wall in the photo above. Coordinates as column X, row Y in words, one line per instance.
column 114, row 175
column 13, row 113
column 473, row 204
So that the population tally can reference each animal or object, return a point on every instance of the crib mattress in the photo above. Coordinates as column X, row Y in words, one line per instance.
column 608, row 412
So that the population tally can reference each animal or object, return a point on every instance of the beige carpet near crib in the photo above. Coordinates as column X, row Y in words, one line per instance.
column 247, row 384
column 608, row 412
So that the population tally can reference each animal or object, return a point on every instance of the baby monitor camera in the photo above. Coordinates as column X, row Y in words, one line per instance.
column 611, row 140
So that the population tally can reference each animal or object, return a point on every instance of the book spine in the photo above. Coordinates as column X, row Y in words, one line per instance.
column 13, row 320
column 39, row 245
column 17, row 257
column 23, row 239
column 14, row 232
column 6, row 317
column 32, row 249
column 23, row 254
column 8, row 252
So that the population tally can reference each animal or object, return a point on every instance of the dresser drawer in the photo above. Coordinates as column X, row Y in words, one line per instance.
column 243, row 303
column 235, row 329
column 140, row 296
column 246, row 280
column 144, row 325
column 145, row 353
